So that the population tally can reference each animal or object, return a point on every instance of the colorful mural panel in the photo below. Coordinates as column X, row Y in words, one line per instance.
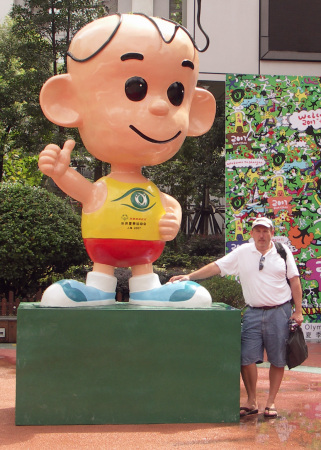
column 273, row 168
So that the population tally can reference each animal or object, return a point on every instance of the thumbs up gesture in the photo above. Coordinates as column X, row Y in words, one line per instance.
column 54, row 161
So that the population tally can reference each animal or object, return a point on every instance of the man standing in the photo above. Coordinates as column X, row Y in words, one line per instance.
column 263, row 274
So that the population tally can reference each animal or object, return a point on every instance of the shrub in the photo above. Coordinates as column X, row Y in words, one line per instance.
column 212, row 245
column 191, row 251
column 39, row 235
column 225, row 290
column 122, row 275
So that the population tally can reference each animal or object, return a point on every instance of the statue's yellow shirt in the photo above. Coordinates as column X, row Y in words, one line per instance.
column 131, row 211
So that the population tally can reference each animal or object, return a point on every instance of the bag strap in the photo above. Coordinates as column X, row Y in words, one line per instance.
column 281, row 251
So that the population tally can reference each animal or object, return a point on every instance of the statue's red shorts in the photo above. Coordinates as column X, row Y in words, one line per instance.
column 123, row 252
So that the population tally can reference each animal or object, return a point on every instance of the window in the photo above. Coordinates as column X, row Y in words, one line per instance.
column 290, row 30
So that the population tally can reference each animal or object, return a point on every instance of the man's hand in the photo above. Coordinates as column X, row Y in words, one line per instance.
column 298, row 317
column 54, row 161
column 179, row 278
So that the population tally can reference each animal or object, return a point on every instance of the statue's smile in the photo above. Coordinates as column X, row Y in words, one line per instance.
column 154, row 141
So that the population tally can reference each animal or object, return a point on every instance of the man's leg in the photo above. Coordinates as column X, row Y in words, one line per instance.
column 277, row 333
column 275, row 377
column 249, row 376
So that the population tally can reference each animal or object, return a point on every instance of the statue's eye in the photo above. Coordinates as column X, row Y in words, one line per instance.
column 175, row 93
column 137, row 199
column 136, row 88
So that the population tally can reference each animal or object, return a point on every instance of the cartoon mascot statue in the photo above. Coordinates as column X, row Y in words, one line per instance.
column 131, row 92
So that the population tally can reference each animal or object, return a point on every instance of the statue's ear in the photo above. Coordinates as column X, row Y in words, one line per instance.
column 59, row 102
column 202, row 112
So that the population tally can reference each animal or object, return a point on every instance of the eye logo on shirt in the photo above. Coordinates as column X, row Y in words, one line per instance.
column 137, row 199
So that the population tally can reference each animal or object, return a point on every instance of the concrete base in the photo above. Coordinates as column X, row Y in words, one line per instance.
column 127, row 365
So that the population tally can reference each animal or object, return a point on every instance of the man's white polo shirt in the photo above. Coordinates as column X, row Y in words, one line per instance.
column 266, row 287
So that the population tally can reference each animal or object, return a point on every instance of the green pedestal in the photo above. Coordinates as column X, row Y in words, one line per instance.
column 127, row 365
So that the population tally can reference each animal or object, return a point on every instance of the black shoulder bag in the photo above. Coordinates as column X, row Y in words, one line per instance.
column 296, row 348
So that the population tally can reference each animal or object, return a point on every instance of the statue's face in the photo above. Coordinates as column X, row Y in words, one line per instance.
column 134, row 96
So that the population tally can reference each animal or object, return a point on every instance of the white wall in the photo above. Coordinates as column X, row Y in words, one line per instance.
column 158, row 8
column 290, row 68
column 5, row 7
column 233, row 29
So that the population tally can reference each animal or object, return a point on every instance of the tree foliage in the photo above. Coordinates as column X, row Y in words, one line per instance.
column 33, row 47
column 21, row 78
column 20, row 166
column 39, row 234
column 55, row 22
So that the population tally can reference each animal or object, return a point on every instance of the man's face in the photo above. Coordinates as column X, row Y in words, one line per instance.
column 135, row 95
column 262, row 237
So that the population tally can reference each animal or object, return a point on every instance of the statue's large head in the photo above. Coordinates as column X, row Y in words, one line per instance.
column 130, row 90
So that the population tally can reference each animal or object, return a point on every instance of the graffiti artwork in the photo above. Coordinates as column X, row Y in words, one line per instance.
column 273, row 167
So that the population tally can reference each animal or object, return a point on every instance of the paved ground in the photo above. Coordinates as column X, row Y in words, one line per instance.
column 298, row 425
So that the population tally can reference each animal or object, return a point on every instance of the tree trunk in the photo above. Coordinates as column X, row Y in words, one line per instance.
column 53, row 38
column 98, row 173
column 1, row 163
column 204, row 213
column 2, row 147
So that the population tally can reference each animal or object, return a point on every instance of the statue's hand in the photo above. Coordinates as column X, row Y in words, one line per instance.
column 169, row 225
column 54, row 161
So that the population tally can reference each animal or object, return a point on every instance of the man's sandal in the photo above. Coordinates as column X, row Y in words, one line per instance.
column 270, row 413
column 247, row 411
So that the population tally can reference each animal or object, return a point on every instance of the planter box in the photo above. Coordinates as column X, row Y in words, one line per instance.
column 8, row 329
column 127, row 365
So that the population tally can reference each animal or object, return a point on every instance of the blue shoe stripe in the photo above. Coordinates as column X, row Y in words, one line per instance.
column 173, row 292
column 79, row 292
